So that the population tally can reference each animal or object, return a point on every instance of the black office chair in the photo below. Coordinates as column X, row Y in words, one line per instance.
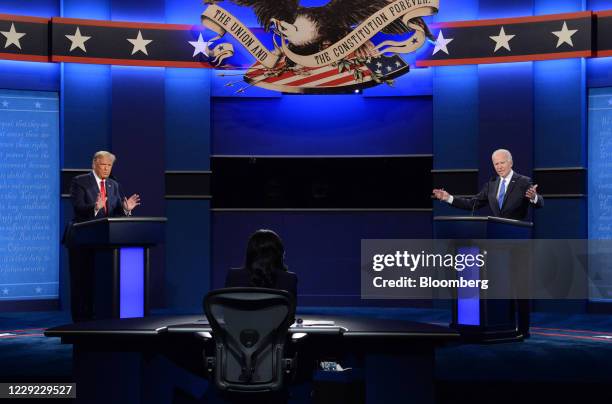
column 250, row 327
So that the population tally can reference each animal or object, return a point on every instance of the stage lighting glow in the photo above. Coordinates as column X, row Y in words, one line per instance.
column 557, row 7
column 32, row 8
column 509, row 10
column 91, row 9
column 33, row 75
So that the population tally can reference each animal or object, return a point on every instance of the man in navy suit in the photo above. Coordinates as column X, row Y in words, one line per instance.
column 509, row 195
column 94, row 195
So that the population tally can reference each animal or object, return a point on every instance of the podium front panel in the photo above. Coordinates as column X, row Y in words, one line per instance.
column 131, row 282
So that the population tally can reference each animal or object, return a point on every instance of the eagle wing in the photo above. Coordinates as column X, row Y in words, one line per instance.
column 352, row 12
column 265, row 10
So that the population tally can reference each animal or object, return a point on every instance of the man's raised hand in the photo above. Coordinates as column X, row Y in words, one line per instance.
column 531, row 192
column 100, row 202
column 130, row 203
column 441, row 194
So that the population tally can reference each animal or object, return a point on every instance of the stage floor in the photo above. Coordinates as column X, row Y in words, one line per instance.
column 567, row 359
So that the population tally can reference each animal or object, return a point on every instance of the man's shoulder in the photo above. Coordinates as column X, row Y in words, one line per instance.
column 521, row 177
column 83, row 178
column 110, row 183
column 490, row 183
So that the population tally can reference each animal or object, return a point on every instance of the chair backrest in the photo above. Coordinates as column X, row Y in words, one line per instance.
column 250, row 327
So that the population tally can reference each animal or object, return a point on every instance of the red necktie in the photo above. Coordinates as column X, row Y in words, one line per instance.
column 103, row 194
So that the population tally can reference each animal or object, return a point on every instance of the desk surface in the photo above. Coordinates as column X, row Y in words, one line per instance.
column 347, row 326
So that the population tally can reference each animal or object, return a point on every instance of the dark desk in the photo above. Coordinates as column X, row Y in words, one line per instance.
column 147, row 359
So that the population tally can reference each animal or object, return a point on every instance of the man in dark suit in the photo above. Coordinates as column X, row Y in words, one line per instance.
column 509, row 195
column 94, row 196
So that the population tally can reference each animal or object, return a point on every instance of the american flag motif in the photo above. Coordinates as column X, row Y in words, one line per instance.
column 341, row 77
column 543, row 37
column 503, row 40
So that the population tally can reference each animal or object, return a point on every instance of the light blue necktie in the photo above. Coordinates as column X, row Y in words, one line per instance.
column 502, row 193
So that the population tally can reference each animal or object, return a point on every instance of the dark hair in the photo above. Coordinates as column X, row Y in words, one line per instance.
column 265, row 256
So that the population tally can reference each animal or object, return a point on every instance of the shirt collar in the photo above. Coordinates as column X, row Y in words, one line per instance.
column 98, row 179
column 508, row 177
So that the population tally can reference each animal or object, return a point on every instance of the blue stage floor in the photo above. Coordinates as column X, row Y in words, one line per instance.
column 567, row 359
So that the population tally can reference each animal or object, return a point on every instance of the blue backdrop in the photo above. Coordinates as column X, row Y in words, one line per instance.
column 29, row 195
column 170, row 119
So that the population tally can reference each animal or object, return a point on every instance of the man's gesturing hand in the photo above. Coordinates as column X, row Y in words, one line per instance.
column 531, row 192
column 131, row 202
column 441, row 194
column 100, row 202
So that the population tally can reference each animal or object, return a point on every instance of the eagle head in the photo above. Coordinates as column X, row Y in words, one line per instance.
column 303, row 32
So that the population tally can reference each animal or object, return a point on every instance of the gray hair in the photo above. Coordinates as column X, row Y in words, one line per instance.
column 506, row 152
column 101, row 154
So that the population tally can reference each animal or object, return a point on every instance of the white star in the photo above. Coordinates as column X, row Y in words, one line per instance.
column 37, row 104
column 5, row 104
column 378, row 64
column 5, row 291
column 389, row 68
column 502, row 40
column 397, row 63
column 77, row 40
column 441, row 43
column 565, row 35
column 12, row 37
column 200, row 46
column 140, row 44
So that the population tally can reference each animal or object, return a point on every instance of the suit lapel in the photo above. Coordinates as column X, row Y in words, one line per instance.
column 493, row 196
column 509, row 189
column 92, row 182
column 110, row 189
column 112, row 192
column 93, row 186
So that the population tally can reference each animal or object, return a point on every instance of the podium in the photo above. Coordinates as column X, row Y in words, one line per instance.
column 121, row 259
column 476, row 317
